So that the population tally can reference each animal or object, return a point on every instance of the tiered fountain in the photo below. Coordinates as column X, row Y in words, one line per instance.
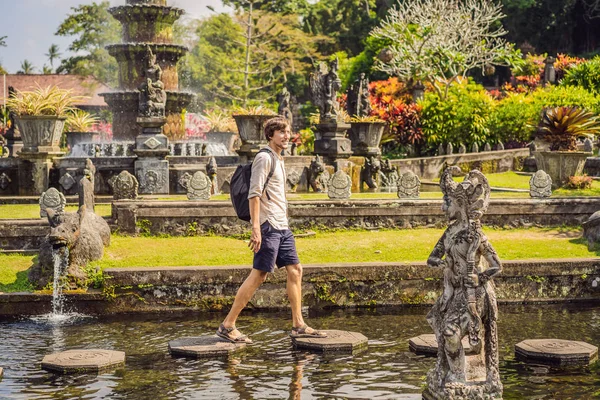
column 146, row 23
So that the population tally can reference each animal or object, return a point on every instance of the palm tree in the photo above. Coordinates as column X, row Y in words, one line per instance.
column 46, row 70
column 52, row 54
column 26, row 68
column 3, row 41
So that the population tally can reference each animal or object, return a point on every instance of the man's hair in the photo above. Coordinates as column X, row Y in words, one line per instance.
column 275, row 124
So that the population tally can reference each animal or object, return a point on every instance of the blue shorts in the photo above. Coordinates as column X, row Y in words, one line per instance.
column 278, row 247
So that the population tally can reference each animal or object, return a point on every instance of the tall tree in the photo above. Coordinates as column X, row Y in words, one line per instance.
column 53, row 54
column 299, row 7
column 26, row 68
column 46, row 70
column 93, row 28
column 246, row 59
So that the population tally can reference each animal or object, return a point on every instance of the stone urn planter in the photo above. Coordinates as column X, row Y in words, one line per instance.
column 365, row 138
column 75, row 138
column 250, row 127
column 40, row 134
column 560, row 165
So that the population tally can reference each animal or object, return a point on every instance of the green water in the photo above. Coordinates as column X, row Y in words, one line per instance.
column 271, row 368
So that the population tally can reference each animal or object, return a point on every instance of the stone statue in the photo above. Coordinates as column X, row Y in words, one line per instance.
column 358, row 102
column 370, row 172
column 67, row 181
column 591, row 230
column 211, row 171
column 340, row 186
column 198, row 185
column 409, row 185
column 318, row 177
column 540, row 185
column 83, row 234
column 467, row 307
column 285, row 107
column 124, row 186
column 53, row 200
column 86, row 186
column 152, row 97
column 388, row 176
column 324, row 85
column 462, row 149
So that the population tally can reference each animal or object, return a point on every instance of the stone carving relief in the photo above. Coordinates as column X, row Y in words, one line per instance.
column 4, row 181
column 124, row 186
column 467, row 306
column 52, row 199
column 358, row 103
column 540, row 185
column 152, row 97
column 198, row 186
column 409, row 185
column 340, row 186
column 293, row 179
column 388, row 176
column 318, row 177
column 67, row 181
column 324, row 86
column 370, row 172
column 152, row 181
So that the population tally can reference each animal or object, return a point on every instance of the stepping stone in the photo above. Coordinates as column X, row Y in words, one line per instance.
column 85, row 360
column 336, row 341
column 556, row 352
column 426, row 344
column 203, row 347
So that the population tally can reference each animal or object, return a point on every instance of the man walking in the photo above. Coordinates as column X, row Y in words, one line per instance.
column 271, row 241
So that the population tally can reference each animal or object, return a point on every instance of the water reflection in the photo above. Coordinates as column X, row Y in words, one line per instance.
column 272, row 368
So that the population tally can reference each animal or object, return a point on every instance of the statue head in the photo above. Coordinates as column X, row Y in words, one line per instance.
column 468, row 199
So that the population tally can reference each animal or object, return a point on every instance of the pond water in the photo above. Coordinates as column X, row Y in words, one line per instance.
column 271, row 368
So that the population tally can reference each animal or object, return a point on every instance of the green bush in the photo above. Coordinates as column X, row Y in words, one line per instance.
column 462, row 118
column 513, row 119
column 585, row 75
column 561, row 96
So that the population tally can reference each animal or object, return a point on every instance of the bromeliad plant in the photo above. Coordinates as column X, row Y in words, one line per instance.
column 80, row 121
column 562, row 126
column 48, row 101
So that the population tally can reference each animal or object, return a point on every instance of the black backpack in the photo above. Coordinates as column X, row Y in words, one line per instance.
column 240, row 186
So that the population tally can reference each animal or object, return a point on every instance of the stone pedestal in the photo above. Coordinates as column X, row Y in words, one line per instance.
column 80, row 361
column 331, row 141
column 152, row 147
column 203, row 347
column 336, row 341
column 34, row 172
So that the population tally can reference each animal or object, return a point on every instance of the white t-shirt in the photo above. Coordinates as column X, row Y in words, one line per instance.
column 273, row 208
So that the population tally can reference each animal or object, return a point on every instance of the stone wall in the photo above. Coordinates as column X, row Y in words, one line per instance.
column 185, row 218
column 333, row 285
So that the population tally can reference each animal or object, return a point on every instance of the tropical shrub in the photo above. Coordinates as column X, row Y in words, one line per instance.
column 51, row 101
column 579, row 182
column 557, row 96
column 463, row 117
column 565, row 63
column 585, row 75
column 513, row 119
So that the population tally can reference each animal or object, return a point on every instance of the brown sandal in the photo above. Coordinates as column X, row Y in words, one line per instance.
column 225, row 333
column 300, row 332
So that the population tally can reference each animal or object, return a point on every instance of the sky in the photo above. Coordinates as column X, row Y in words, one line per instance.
column 30, row 26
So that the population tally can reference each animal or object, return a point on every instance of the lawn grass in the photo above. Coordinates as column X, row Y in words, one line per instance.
column 13, row 272
column 32, row 211
column 350, row 246
column 342, row 246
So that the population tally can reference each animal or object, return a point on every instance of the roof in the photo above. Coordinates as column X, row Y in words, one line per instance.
column 81, row 85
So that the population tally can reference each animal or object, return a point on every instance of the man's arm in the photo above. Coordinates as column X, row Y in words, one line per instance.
column 256, row 236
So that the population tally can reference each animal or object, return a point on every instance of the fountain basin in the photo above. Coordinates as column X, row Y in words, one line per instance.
column 147, row 23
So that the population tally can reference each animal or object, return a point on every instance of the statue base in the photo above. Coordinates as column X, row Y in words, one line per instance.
column 331, row 141
column 34, row 171
column 476, row 388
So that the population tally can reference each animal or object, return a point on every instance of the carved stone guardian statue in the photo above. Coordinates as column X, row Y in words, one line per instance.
column 467, row 306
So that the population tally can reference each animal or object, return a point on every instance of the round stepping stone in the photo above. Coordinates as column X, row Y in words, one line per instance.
column 556, row 352
column 426, row 344
column 203, row 347
column 338, row 341
column 88, row 360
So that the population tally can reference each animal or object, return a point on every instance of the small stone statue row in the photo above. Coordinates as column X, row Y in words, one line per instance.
column 462, row 149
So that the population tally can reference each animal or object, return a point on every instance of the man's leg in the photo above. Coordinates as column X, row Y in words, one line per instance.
column 294, row 292
column 242, row 297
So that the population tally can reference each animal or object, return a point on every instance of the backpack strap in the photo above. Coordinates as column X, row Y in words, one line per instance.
column 273, row 161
